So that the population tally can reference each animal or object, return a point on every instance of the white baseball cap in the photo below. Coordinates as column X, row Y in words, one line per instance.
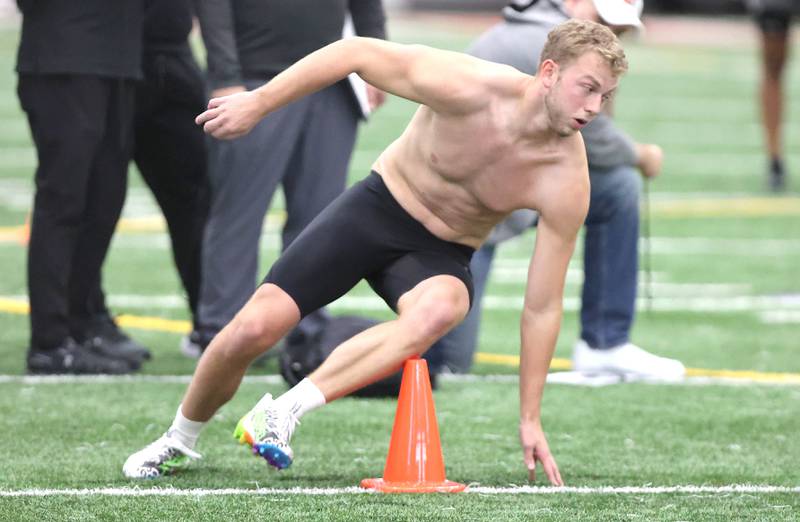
column 620, row 12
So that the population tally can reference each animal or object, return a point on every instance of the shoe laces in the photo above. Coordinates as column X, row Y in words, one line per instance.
column 168, row 447
column 280, row 425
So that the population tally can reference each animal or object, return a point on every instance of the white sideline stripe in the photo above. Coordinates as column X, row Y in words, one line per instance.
column 658, row 246
column 722, row 304
column 481, row 490
column 780, row 316
column 553, row 377
column 121, row 379
column 685, row 301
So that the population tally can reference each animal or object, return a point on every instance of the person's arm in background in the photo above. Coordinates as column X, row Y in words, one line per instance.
column 25, row 5
column 608, row 146
column 369, row 19
column 219, row 38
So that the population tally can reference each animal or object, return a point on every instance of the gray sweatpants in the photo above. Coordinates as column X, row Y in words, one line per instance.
column 306, row 148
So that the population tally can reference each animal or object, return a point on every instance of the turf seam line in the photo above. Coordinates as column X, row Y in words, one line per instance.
column 474, row 489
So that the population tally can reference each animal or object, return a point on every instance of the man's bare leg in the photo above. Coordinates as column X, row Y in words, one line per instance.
column 262, row 322
column 426, row 312
column 774, row 51
column 265, row 319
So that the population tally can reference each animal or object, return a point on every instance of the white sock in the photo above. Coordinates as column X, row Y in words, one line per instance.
column 302, row 398
column 185, row 430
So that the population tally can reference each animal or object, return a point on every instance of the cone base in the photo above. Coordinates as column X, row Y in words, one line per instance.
column 378, row 484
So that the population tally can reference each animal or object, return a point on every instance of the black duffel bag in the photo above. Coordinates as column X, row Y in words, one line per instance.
column 302, row 354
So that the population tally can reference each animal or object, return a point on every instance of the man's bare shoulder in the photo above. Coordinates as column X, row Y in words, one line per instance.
column 565, row 200
column 470, row 83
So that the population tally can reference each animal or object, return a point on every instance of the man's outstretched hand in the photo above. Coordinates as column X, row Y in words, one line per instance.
column 231, row 116
column 534, row 448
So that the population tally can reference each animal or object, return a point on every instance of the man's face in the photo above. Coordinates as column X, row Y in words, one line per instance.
column 578, row 93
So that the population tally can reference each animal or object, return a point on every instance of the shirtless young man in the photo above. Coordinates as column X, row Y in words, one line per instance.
column 486, row 140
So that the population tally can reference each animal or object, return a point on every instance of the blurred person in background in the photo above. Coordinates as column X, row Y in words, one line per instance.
column 169, row 149
column 773, row 18
column 305, row 147
column 78, row 63
column 616, row 165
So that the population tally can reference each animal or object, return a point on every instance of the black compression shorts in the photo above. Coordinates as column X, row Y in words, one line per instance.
column 365, row 234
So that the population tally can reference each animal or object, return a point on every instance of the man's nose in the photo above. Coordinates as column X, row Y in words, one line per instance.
column 594, row 104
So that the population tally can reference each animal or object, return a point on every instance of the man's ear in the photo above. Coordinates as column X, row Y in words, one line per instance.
column 548, row 72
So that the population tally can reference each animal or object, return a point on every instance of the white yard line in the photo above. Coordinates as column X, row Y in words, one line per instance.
column 562, row 377
column 122, row 379
column 352, row 490
column 685, row 298
column 780, row 316
column 722, row 304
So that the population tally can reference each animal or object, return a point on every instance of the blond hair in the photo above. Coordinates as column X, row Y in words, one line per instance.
column 572, row 39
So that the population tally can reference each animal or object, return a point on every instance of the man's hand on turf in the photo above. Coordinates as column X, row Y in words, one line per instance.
column 534, row 448
column 231, row 116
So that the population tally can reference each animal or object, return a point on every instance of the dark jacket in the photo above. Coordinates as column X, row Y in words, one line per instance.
column 256, row 39
column 167, row 24
column 95, row 37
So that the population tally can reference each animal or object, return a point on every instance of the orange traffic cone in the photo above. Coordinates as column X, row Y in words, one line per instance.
column 414, row 463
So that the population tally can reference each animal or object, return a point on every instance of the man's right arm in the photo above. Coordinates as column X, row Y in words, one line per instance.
column 445, row 81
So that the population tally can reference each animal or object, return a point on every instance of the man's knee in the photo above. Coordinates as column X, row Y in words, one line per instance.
column 442, row 303
column 264, row 320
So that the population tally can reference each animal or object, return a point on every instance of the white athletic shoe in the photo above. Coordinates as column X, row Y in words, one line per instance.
column 268, row 430
column 162, row 457
column 627, row 360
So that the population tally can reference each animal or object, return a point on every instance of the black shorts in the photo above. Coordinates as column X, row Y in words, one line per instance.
column 772, row 16
column 365, row 234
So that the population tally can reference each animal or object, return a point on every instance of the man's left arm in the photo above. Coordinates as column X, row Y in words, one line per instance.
column 541, row 317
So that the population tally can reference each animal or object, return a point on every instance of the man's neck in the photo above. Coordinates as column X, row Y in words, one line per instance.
column 533, row 122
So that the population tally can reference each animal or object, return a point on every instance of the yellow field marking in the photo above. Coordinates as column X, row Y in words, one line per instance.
column 674, row 208
column 12, row 306
column 513, row 360
column 142, row 224
column 138, row 225
column 156, row 324
column 159, row 324
column 727, row 207
column 566, row 364
column 771, row 377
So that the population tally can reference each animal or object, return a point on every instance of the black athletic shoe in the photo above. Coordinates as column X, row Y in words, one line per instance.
column 105, row 338
column 777, row 176
column 73, row 358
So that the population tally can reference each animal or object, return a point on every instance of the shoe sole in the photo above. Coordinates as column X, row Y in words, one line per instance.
column 272, row 453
